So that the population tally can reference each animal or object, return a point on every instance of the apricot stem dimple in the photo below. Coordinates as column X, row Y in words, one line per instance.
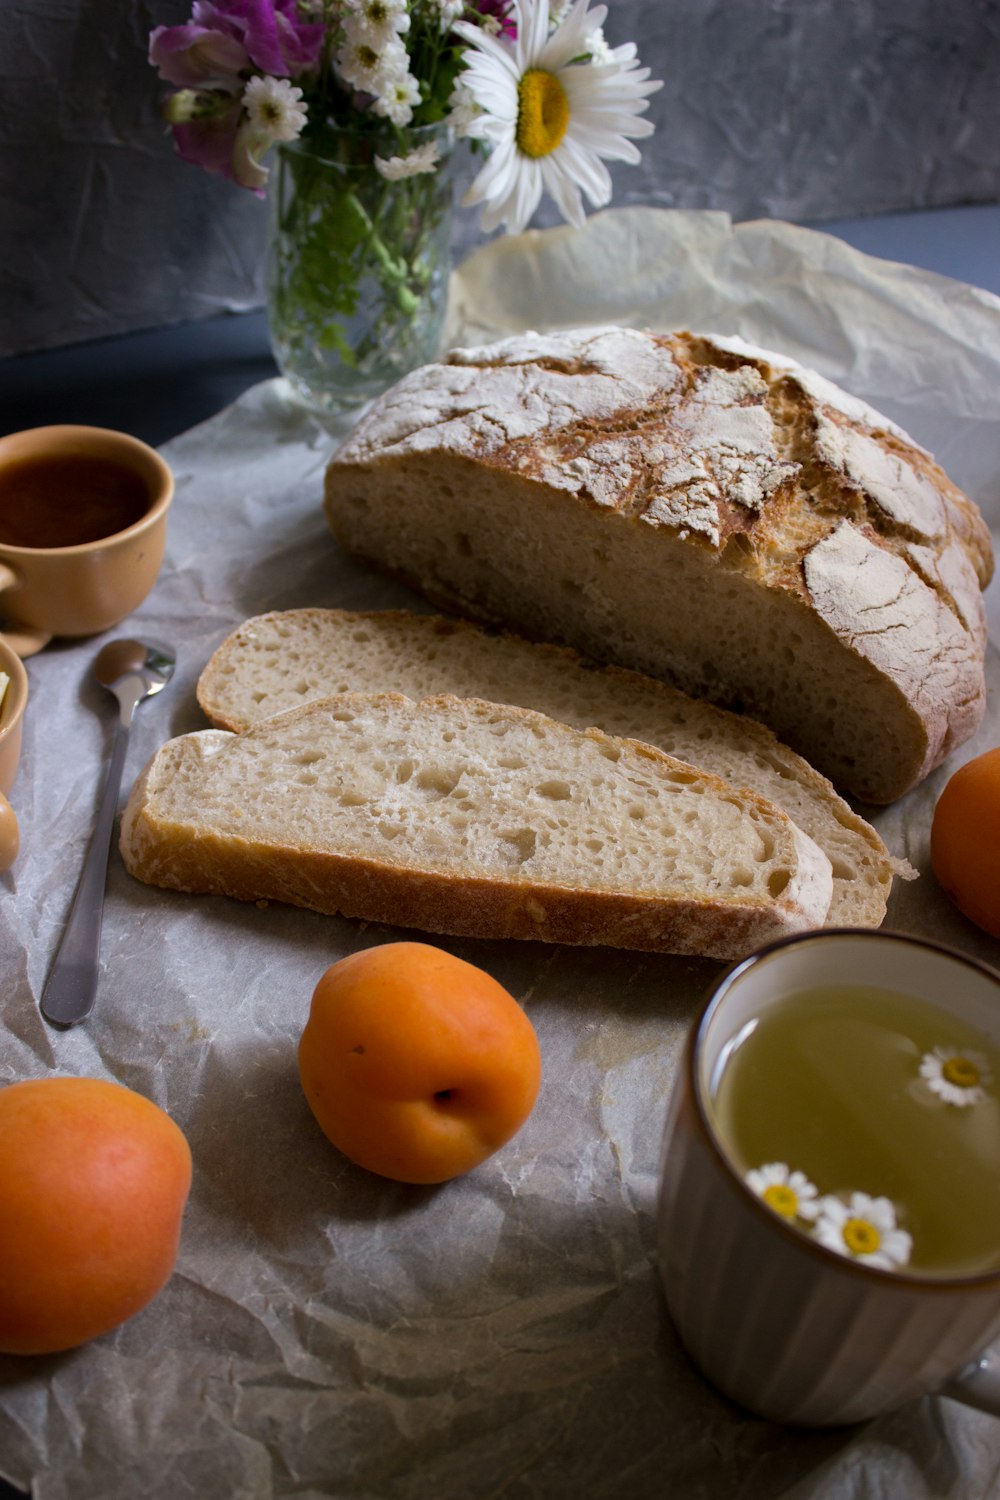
column 443, row 1095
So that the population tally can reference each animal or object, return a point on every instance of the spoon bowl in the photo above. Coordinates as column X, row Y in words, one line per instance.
column 133, row 671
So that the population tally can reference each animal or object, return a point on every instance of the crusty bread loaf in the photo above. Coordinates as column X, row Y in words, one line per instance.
column 455, row 815
column 277, row 661
column 707, row 513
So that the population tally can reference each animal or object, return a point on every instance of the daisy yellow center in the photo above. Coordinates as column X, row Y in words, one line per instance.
column 860, row 1237
column 960, row 1071
column 542, row 112
column 782, row 1199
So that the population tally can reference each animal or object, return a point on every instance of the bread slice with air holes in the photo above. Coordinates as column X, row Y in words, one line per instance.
column 693, row 508
column 459, row 816
column 281, row 660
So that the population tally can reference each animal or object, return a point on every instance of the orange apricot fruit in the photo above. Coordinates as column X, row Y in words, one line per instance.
column 93, row 1183
column 417, row 1065
column 965, row 840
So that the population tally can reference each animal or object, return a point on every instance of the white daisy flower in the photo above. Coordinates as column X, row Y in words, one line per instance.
column 956, row 1077
column 864, row 1229
column 549, row 120
column 378, row 20
column 274, row 108
column 367, row 65
column 396, row 99
column 420, row 159
column 790, row 1194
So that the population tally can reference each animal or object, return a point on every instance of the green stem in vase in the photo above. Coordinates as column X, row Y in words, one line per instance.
column 358, row 262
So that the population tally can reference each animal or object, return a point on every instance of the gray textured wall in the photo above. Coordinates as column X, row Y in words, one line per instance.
column 801, row 109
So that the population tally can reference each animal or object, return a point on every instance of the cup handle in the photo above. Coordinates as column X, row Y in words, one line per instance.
column 23, row 639
column 977, row 1385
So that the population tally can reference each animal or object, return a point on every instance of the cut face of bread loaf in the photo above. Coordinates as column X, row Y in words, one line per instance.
column 459, row 816
column 707, row 513
column 277, row 661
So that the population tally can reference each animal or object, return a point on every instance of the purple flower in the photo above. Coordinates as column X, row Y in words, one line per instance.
column 276, row 39
column 197, row 57
column 500, row 11
column 209, row 142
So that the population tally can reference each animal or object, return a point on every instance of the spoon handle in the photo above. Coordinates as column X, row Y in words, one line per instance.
column 70, row 989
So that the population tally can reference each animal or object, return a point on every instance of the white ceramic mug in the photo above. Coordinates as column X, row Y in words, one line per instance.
column 789, row 1329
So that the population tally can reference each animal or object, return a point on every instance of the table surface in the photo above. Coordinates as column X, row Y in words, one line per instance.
column 159, row 383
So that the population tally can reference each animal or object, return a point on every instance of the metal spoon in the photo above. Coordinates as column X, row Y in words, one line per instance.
column 133, row 671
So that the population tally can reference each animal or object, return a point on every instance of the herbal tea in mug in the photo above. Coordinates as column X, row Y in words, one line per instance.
column 870, row 1120
column 828, row 1220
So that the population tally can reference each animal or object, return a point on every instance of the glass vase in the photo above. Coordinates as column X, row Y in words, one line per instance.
column 357, row 264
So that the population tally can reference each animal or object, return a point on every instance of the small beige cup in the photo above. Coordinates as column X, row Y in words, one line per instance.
column 80, row 590
column 789, row 1329
column 11, row 715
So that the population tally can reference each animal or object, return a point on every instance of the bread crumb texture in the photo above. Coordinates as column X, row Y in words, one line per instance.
column 464, row 816
column 281, row 660
column 699, row 509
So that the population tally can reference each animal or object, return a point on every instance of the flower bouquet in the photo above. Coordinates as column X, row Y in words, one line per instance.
column 363, row 101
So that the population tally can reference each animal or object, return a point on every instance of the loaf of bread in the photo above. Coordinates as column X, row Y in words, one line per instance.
column 278, row 661
column 698, row 510
column 459, row 816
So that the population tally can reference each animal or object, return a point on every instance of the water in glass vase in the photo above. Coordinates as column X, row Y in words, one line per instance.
column 357, row 263
column 865, row 1091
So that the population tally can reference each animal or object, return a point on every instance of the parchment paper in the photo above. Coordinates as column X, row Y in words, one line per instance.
column 328, row 1333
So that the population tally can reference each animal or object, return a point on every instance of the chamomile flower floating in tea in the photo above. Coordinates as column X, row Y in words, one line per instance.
column 865, row 1229
column 789, row 1193
column 849, row 1084
column 960, row 1078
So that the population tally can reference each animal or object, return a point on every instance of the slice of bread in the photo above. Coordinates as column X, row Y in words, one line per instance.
column 698, row 510
column 279, row 660
column 459, row 816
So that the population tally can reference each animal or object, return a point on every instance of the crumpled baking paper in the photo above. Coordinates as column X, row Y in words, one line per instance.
column 328, row 1333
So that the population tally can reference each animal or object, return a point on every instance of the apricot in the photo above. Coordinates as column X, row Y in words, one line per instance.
column 417, row 1065
column 93, row 1183
column 965, row 840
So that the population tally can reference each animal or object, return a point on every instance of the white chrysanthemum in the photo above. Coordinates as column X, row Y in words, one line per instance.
column 462, row 108
column 396, row 99
column 420, row 159
column 789, row 1193
column 378, row 20
column 960, row 1078
column 274, row 109
column 367, row 65
column 448, row 12
column 864, row 1229
column 550, row 120
column 597, row 45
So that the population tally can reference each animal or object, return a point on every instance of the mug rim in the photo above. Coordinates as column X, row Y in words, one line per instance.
column 904, row 1278
column 60, row 432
